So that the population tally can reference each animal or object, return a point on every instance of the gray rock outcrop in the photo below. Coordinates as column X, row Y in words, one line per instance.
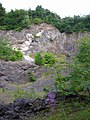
column 43, row 38
column 38, row 38
column 15, row 71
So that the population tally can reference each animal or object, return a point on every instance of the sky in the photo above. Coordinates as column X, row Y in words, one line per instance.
column 64, row 8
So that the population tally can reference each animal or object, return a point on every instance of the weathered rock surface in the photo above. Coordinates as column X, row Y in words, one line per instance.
column 38, row 38
column 12, row 73
column 28, row 59
column 43, row 37
column 15, row 71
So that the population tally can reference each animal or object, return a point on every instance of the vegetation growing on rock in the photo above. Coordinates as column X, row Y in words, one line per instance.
column 45, row 58
column 7, row 53
column 38, row 59
column 31, row 76
column 74, row 88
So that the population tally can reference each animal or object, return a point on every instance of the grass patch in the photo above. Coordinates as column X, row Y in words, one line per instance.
column 19, row 93
column 67, row 111
column 6, row 96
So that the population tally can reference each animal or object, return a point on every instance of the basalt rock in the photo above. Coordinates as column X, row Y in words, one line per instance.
column 22, row 108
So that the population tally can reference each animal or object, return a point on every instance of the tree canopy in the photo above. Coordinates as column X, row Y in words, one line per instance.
column 2, row 14
column 19, row 19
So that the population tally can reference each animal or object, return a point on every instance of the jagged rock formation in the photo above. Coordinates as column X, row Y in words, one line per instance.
column 43, row 37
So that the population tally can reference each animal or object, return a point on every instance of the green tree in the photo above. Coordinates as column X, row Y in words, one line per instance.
column 17, row 19
column 2, row 15
column 79, row 78
column 37, row 20
column 20, row 19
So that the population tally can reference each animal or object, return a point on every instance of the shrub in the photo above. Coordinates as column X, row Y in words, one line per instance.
column 3, row 27
column 38, row 59
column 37, row 20
column 45, row 58
column 7, row 53
column 31, row 76
column 49, row 58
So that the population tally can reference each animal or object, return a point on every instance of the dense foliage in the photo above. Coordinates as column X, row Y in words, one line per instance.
column 2, row 15
column 38, row 59
column 49, row 58
column 20, row 19
column 45, row 58
column 79, row 78
column 7, row 53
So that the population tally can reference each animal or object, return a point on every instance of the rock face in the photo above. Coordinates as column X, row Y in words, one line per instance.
column 38, row 38
column 15, row 71
column 43, row 37
column 27, row 58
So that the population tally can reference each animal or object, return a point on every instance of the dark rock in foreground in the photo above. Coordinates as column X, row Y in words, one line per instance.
column 23, row 109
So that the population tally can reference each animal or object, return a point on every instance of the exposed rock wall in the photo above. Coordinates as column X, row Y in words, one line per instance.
column 37, row 38
column 14, row 71
column 43, row 37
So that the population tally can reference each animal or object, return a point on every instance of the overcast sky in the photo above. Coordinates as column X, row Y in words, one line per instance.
column 61, row 7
